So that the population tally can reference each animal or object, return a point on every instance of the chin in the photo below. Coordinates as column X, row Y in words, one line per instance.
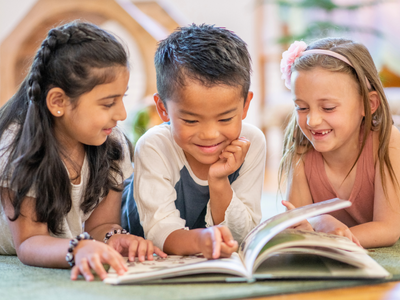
column 98, row 142
column 208, row 161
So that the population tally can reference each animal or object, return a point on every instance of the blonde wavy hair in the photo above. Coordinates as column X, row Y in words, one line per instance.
column 296, row 144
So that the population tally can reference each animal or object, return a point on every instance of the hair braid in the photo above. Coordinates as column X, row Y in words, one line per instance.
column 66, row 60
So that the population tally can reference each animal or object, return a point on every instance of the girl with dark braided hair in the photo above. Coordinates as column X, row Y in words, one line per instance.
column 63, row 160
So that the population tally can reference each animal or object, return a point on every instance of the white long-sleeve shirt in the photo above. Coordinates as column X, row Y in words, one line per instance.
column 169, row 196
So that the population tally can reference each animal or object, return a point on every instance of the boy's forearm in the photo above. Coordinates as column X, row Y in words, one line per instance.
column 183, row 242
column 220, row 197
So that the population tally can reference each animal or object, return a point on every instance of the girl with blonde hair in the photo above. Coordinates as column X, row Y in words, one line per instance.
column 340, row 141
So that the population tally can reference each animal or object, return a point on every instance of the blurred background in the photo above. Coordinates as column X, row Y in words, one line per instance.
column 267, row 26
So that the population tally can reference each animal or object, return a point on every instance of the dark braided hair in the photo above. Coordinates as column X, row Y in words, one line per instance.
column 66, row 59
column 207, row 54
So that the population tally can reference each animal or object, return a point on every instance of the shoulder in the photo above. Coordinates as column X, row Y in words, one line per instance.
column 158, row 144
column 158, row 136
column 254, row 135
column 252, row 132
column 9, row 134
column 394, row 141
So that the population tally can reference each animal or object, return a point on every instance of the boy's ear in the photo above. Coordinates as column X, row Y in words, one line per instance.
column 374, row 101
column 56, row 101
column 161, row 109
column 247, row 104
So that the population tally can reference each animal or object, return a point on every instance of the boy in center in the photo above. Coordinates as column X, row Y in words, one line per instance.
column 198, row 177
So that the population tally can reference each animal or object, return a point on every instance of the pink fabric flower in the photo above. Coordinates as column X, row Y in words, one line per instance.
column 288, row 57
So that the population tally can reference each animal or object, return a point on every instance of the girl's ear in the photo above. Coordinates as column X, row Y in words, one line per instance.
column 161, row 109
column 247, row 104
column 374, row 101
column 56, row 101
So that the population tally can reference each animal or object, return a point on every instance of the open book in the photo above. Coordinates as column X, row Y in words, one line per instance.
column 269, row 251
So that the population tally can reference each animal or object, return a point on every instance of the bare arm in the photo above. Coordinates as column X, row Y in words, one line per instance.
column 384, row 230
column 220, row 189
column 105, row 217
column 33, row 244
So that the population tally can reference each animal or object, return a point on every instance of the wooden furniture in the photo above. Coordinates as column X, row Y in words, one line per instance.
column 147, row 23
column 384, row 291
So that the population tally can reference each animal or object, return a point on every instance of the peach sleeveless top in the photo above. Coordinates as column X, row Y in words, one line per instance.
column 362, row 194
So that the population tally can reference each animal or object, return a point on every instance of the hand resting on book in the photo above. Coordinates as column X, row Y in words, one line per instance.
column 324, row 223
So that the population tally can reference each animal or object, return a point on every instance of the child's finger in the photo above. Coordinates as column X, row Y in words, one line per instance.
column 216, row 242
column 288, row 205
column 142, row 249
column 113, row 260
column 97, row 266
column 120, row 259
column 159, row 252
column 75, row 273
column 85, row 270
column 356, row 241
column 133, row 247
column 226, row 251
column 233, row 149
column 227, row 236
column 150, row 250
column 243, row 143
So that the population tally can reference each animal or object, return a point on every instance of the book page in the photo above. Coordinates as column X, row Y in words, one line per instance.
column 176, row 265
column 259, row 236
column 309, row 242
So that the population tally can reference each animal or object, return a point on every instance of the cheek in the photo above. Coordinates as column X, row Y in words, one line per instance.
column 180, row 132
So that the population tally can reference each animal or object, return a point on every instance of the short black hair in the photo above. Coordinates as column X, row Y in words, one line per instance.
column 204, row 53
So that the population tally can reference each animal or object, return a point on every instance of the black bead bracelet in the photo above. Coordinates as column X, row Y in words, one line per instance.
column 112, row 232
column 70, row 258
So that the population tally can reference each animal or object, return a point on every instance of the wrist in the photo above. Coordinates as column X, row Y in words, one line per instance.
column 74, row 246
column 218, row 182
column 113, row 232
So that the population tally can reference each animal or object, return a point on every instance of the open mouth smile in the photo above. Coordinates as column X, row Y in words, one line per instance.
column 320, row 133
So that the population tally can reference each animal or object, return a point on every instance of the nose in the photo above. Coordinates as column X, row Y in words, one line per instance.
column 120, row 113
column 209, row 131
column 314, row 118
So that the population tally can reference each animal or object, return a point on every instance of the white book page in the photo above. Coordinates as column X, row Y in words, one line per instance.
column 318, row 243
column 175, row 265
column 259, row 236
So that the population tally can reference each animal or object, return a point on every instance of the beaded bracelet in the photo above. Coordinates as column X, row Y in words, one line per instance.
column 70, row 258
column 112, row 232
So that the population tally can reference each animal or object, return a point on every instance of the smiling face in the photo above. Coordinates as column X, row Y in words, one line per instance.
column 91, row 121
column 204, row 120
column 329, row 109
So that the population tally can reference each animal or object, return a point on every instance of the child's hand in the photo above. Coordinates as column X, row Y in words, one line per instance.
column 230, row 159
column 303, row 225
column 217, row 241
column 329, row 224
column 90, row 255
column 131, row 245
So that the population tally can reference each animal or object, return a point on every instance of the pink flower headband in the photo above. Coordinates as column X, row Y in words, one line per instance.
column 296, row 50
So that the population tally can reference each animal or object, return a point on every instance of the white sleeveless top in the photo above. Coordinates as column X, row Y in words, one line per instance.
column 73, row 223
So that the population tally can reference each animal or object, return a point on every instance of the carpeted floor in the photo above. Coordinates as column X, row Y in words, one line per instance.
column 18, row 281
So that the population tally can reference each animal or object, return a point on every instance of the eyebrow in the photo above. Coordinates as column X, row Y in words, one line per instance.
column 319, row 100
column 112, row 96
column 196, row 115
